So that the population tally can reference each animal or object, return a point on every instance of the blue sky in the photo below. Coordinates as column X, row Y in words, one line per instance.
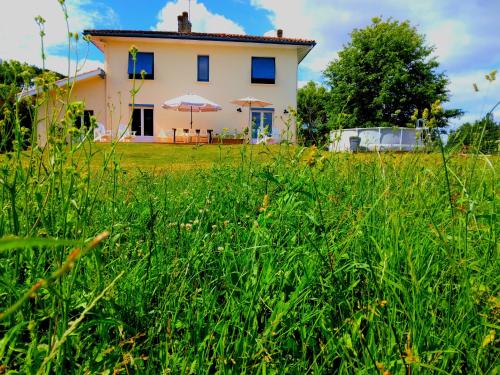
column 465, row 32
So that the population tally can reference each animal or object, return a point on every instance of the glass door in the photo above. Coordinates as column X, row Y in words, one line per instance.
column 256, row 122
column 267, row 123
column 147, row 123
column 85, row 122
column 262, row 124
column 143, row 122
column 137, row 121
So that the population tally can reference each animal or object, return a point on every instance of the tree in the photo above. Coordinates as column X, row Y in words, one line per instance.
column 385, row 76
column 482, row 135
column 312, row 101
column 13, row 76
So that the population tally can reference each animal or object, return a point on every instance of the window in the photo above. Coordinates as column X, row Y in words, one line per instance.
column 203, row 68
column 85, row 119
column 143, row 121
column 263, row 70
column 144, row 61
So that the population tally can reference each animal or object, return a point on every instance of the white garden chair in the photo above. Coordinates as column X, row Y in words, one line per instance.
column 101, row 134
column 124, row 133
column 263, row 137
column 166, row 136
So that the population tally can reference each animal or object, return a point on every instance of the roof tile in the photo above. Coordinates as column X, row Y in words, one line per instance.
column 200, row 36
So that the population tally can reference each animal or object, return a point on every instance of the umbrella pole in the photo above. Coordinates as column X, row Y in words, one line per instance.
column 191, row 117
column 250, row 123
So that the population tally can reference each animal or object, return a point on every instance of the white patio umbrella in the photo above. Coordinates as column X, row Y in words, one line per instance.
column 251, row 102
column 191, row 103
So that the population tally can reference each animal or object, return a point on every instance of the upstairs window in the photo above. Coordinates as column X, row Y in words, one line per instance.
column 203, row 69
column 144, row 61
column 263, row 70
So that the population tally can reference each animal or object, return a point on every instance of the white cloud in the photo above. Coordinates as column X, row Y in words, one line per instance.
column 301, row 84
column 319, row 62
column 20, row 39
column 450, row 38
column 312, row 19
column 202, row 19
column 60, row 64
column 463, row 95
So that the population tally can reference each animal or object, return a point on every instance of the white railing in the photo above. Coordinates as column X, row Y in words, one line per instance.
column 382, row 139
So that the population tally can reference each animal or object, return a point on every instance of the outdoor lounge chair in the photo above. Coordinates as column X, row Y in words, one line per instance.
column 124, row 134
column 101, row 134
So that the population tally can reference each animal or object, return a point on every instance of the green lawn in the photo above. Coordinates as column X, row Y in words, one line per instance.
column 162, row 157
column 248, row 259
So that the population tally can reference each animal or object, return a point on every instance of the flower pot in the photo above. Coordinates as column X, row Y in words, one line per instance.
column 232, row 141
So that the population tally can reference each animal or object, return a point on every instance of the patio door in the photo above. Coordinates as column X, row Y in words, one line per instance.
column 83, row 121
column 143, row 123
column 262, row 121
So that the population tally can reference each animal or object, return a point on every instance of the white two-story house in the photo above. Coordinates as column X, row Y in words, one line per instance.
column 219, row 67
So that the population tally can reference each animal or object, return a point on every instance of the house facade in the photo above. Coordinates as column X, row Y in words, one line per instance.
column 219, row 67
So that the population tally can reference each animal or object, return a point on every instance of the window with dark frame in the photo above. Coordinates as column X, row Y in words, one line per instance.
column 86, row 119
column 264, row 70
column 144, row 61
column 203, row 68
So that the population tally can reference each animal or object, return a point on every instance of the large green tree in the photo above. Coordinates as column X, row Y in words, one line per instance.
column 386, row 76
column 312, row 102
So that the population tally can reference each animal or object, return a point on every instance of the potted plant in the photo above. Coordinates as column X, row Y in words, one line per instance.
column 232, row 138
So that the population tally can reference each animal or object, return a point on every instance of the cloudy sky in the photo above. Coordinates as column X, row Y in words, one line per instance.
column 465, row 32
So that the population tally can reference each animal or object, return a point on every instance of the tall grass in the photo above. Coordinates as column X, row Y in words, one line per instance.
column 304, row 263
column 288, row 261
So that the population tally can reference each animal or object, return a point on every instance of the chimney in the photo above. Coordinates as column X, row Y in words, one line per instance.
column 279, row 33
column 184, row 26
column 185, row 23
column 180, row 22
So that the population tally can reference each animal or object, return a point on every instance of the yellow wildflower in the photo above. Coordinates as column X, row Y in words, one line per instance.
column 265, row 203
column 488, row 339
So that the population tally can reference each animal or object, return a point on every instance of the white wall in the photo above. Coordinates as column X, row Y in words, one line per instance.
column 176, row 74
column 394, row 139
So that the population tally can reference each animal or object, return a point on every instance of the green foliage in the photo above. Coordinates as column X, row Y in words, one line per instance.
column 14, row 113
column 482, row 135
column 312, row 105
column 13, row 75
column 288, row 264
column 383, row 75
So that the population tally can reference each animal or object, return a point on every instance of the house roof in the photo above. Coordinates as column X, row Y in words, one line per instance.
column 304, row 45
column 200, row 36
column 33, row 90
